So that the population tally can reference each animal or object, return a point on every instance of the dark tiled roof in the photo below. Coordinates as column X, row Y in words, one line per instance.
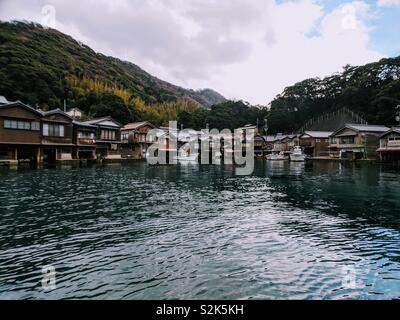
column 137, row 125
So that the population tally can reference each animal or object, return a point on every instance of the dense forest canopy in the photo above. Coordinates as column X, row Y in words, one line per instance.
column 372, row 91
column 43, row 67
column 227, row 115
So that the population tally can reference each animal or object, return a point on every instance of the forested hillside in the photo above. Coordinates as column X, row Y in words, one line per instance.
column 372, row 91
column 43, row 67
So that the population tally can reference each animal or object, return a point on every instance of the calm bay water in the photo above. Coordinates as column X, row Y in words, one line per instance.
column 290, row 231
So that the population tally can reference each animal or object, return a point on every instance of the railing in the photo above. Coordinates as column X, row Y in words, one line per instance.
column 108, row 141
column 350, row 145
column 136, row 141
column 65, row 156
column 64, row 140
column 86, row 141
column 393, row 143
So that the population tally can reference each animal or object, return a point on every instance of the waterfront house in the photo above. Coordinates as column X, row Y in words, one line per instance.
column 57, row 136
column 168, row 139
column 189, row 136
column 357, row 141
column 167, row 143
column 135, row 139
column 84, row 141
column 269, row 143
column 289, row 142
column 20, row 133
column 108, row 137
column 260, row 145
column 389, row 146
column 315, row 143
column 283, row 142
column 278, row 142
column 247, row 133
column 189, row 144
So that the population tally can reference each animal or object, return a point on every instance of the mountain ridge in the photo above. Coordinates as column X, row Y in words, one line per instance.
column 50, row 57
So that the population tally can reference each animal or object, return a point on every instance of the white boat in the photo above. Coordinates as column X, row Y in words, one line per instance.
column 190, row 158
column 186, row 157
column 277, row 156
column 297, row 155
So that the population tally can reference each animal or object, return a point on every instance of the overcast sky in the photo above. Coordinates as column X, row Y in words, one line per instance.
column 245, row 49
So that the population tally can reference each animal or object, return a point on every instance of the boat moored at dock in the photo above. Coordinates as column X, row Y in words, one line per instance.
column 277, row 156
column 297, row 155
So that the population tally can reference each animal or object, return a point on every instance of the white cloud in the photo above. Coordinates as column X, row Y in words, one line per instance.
column 386, row 3
column 248, row 49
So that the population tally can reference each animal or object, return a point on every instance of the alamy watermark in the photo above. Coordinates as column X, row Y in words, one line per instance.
column 349, row 280
column 171, row 146
column 49, row 278
column 49, row 17
column 349, row 21
column 357, row 278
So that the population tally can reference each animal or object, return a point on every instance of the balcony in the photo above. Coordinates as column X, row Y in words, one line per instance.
column 86, row 141
column 56, row 140
column 393, row 143
column 350, row 146
column 137, row 140
column 389, row 145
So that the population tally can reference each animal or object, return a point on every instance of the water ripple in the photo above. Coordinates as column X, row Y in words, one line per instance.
column 289, row 231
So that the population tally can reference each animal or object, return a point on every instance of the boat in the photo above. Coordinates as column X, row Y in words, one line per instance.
column 186, row 157
column 190, row 158
column 297, row 155
column 277, row 156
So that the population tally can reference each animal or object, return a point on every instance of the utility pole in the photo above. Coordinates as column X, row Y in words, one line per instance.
column 266, row 126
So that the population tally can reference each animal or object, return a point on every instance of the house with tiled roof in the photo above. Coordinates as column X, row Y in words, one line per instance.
column 357, row 141
column 315, row 143
column 108, row 137
column 135, row 139
column 389, row 146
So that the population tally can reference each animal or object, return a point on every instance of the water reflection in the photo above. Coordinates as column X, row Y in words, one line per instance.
column 196, row 231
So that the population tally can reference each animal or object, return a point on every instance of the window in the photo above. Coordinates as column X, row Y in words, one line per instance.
column 125, row 136
column 107, row 135
column 347, row 140
column 53, row 130
column 21, row 125
column 142, row 137
column 35, row 126
column 85, row 135
column 45, row 129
